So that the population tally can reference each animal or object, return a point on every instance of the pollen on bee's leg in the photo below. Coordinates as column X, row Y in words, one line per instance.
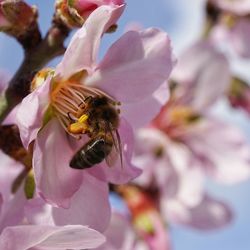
column 77, row 128
column 83, row 118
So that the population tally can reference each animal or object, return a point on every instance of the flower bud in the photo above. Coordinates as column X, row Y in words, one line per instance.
column 16, row 17
column 73, row 13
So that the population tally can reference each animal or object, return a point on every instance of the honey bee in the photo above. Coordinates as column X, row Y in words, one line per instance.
column 99, row 119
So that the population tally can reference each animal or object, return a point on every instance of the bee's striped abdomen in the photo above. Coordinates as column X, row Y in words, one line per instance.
column 91, row 154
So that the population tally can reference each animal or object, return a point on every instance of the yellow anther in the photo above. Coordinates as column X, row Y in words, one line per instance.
column 180, row 113
column 83, row 118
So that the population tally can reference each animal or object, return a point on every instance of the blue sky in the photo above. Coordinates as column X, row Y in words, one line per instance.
column 182, row 19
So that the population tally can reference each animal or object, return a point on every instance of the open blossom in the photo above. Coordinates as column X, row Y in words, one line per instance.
column 74, row 13
column 127, row 74
column 184, row 143
column 170, row 168
column 19, row 232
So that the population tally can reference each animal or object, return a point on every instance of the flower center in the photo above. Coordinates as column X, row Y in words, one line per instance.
column 82, row 109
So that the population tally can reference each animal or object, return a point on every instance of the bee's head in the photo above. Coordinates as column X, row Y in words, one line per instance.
column 99, row 101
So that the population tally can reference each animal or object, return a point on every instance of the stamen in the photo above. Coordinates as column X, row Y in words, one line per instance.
column 69, row 98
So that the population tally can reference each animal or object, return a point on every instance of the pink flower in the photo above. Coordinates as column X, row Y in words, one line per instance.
column 127, row 74
column 74, row 13
column 184, row 143
column 170, row 167
column 232, row 25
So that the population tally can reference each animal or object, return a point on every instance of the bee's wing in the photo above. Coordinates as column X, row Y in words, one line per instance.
column 116, row 151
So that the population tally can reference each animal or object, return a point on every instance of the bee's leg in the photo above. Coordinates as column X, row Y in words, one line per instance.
column 88, row 98
column 81, row 105
column 70, row 117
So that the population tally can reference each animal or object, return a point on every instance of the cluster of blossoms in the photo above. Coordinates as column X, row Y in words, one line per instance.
column 70, row 142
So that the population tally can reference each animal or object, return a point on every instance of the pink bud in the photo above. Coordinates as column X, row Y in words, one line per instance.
column 73, row 13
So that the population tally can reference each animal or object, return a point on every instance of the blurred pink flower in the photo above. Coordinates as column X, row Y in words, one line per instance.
column 171, row 167
column 232, row 26
column 129, row 74
column 235, row 34
column 184, row 143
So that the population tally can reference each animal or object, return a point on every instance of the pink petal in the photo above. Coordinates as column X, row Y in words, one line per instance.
column 56, row 181
column 210, row 214
column 82, row 51
column 223, row 151
column 239, row 7
column 132, row 73
column 89, row 206
column 13, row 210
column 147, row 108
column 9, row 170
column 156, row 169
column 1, row 203
column 116, row 173
column 12, row 205
column 240, row 37
column 49, row 237
column 120, row 234
column 31, row 111
column 38, row 212
column 12, row 117
column 204, row 75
